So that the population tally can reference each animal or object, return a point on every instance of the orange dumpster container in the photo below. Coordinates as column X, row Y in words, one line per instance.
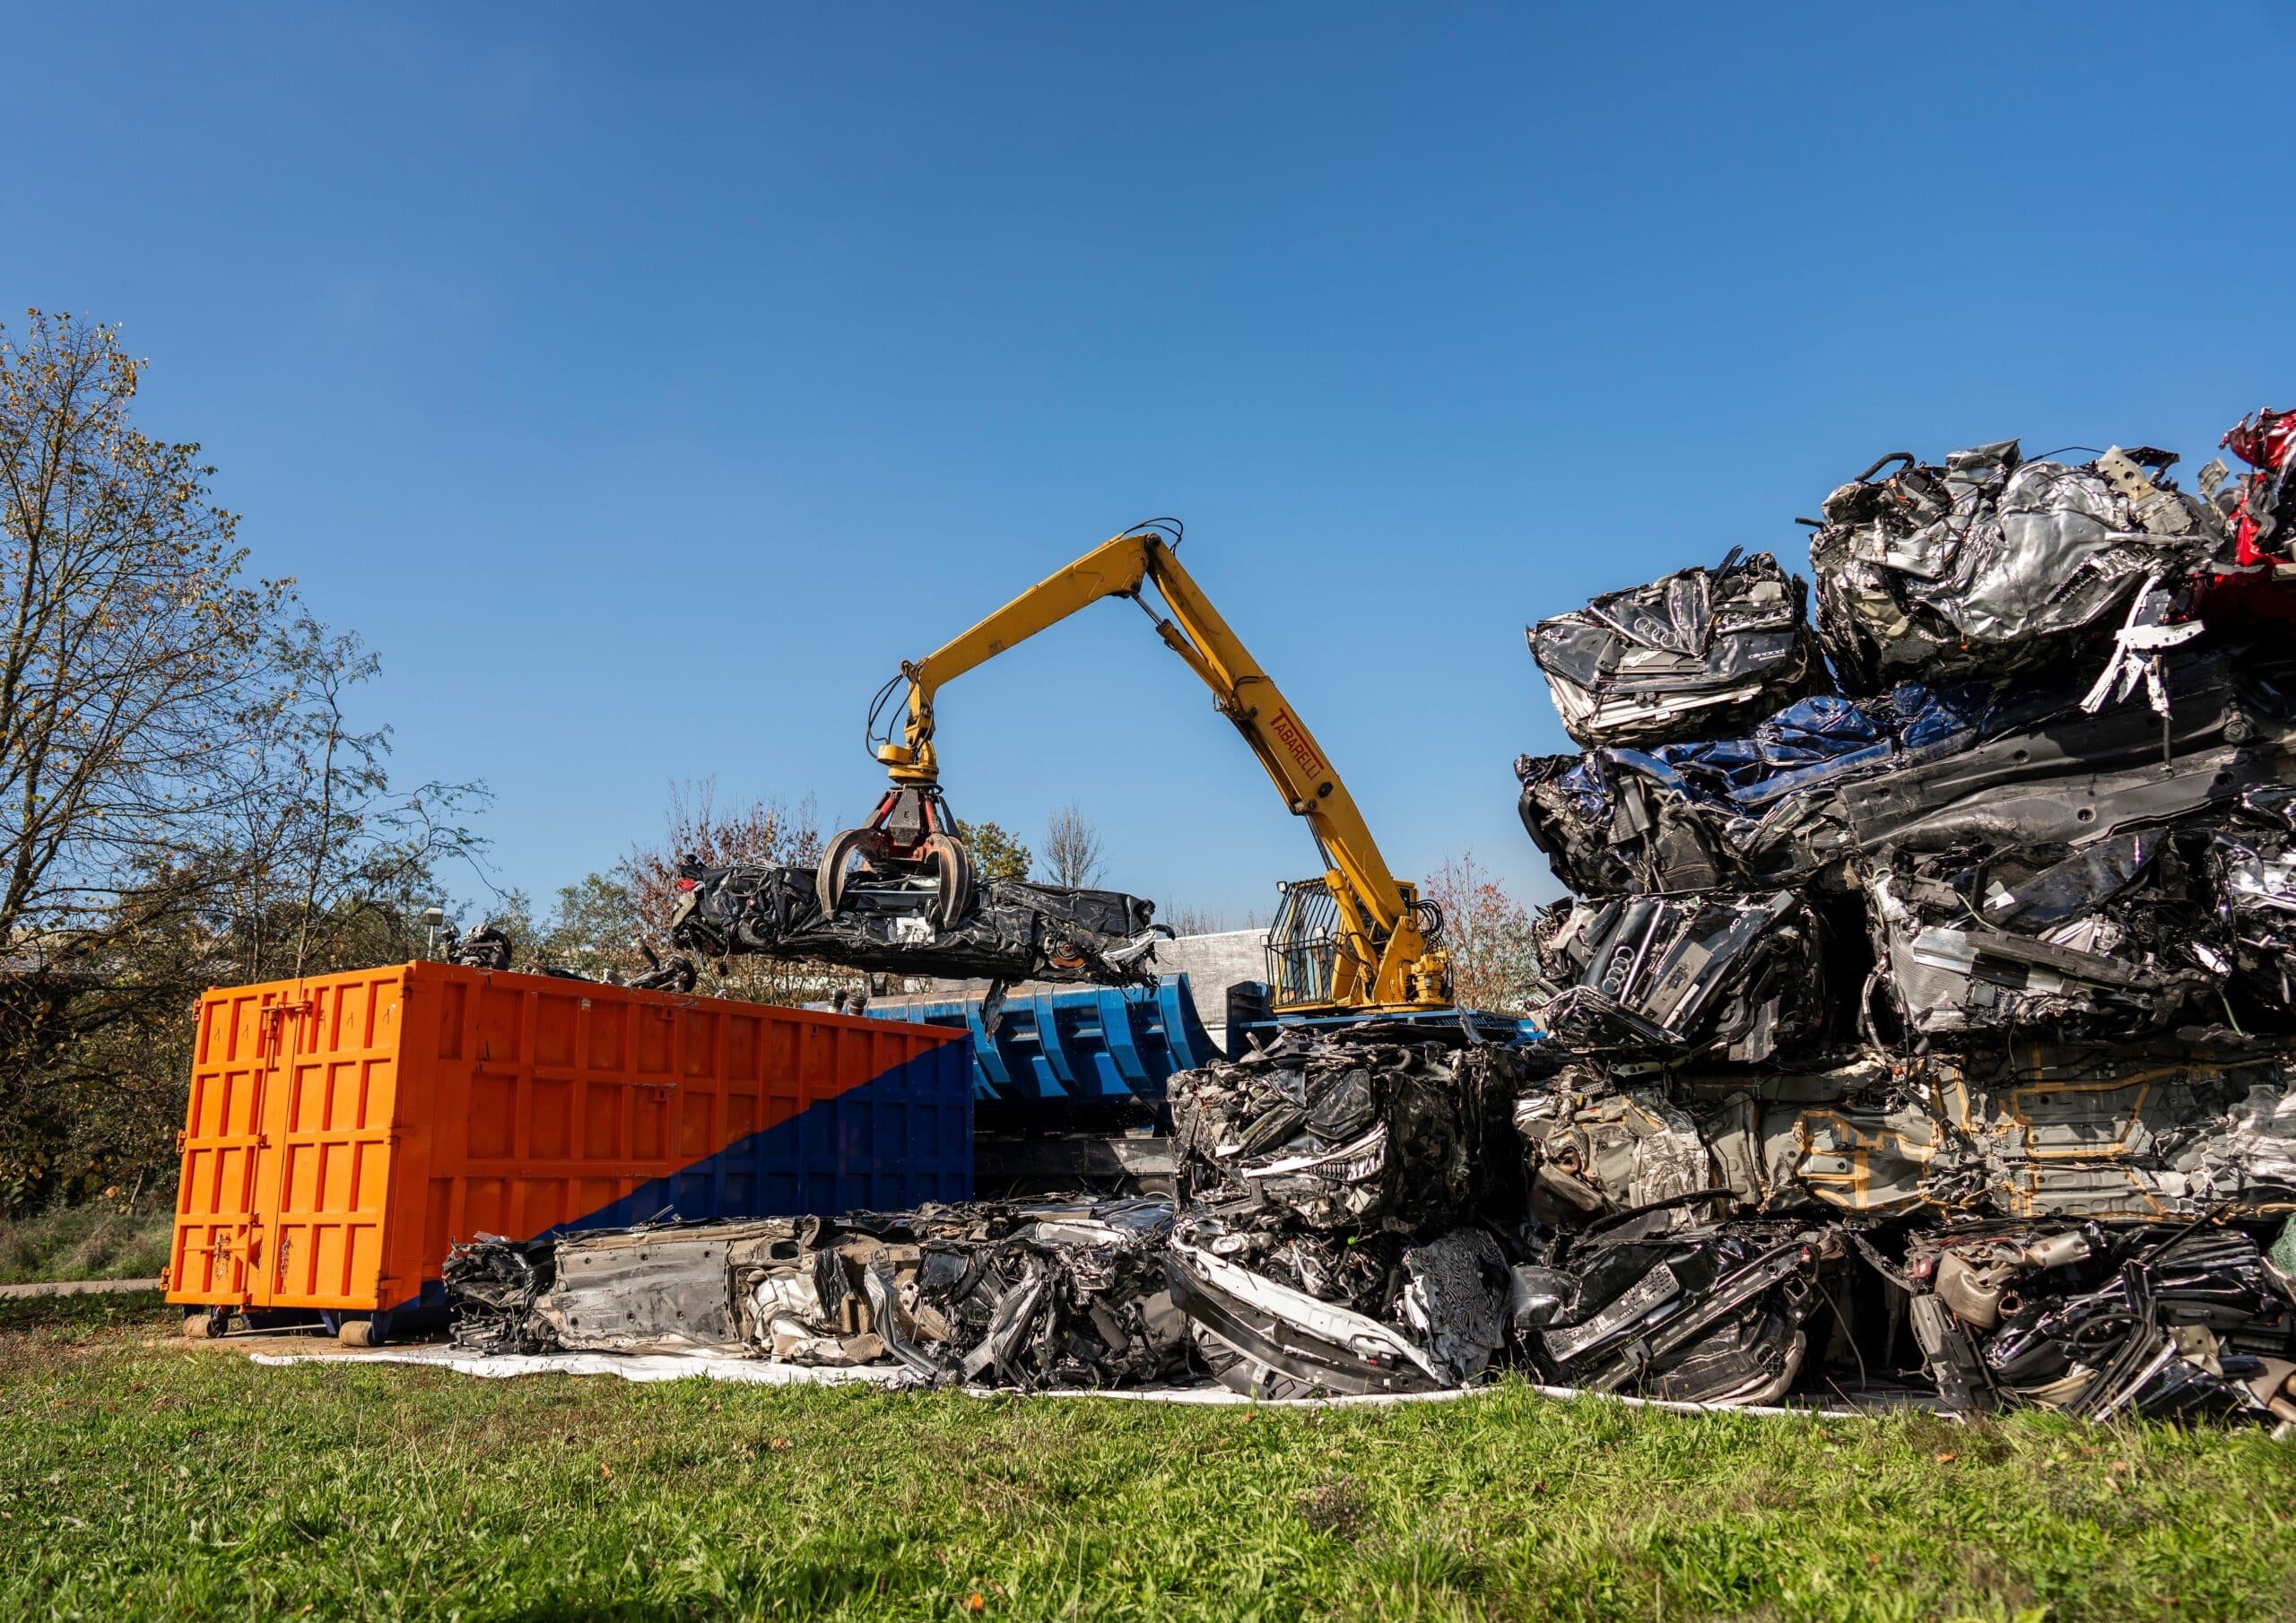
column 343, row 1129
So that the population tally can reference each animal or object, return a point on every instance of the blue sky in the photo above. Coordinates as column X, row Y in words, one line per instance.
column 645, row 383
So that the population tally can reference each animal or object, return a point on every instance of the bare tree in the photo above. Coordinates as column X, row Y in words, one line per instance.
column 1072, row 847
column 364, row 851
column 180, row 794
column 1188, row 919
column 136, row 664
column 754, row 830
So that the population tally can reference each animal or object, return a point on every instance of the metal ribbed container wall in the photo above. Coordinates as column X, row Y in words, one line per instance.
column 344, row 1129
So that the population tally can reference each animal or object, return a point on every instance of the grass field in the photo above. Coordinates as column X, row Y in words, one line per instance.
column 85, row 1242
column 141, row 1478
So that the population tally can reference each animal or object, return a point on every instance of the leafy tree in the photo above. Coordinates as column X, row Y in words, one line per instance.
column 592, row 925
column 995, row 854
column 182, row 800
column 1489, row 936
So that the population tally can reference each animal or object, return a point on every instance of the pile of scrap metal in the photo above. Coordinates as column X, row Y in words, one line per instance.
column 1348, row 1204
column 1928, row 1038
column 1343, row 1228
column 489, row 946
column 1067, row 1295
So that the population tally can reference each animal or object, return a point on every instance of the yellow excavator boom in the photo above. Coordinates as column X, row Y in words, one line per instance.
column 1380, row 954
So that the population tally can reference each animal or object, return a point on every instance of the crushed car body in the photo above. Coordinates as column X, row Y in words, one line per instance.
column 1682, row 657
column 1011, row 931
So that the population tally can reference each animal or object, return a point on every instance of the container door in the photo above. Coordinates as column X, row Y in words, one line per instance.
column 323, row 1168
column 277, row 1041
column 218, row 1207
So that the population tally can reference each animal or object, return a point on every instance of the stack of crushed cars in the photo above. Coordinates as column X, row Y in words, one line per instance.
column 1919, row 1024
column 1916, row 1031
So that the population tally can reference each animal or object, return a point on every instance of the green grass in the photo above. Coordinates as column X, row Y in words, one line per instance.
column 141, row 1477
column 85, row 1242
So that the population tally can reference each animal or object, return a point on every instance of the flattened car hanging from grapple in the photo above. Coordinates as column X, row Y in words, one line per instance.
column 1008, row 930
column 897, row 892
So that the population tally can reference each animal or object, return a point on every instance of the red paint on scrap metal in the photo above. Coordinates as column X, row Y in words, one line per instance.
column 344, row 1129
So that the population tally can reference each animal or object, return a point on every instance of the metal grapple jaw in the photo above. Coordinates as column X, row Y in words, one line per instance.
column 908, row 851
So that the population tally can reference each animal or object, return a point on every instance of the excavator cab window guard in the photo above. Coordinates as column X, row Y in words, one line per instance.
column 1303, row 943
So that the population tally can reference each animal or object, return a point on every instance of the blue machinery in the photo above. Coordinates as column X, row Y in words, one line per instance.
column 1083, row 1051
column 1065, row 1059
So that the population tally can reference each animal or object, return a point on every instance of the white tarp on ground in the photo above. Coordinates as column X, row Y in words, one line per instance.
column 629, row 1366
column 715, row 1367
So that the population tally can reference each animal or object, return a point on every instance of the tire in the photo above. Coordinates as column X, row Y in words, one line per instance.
column 358, row 1333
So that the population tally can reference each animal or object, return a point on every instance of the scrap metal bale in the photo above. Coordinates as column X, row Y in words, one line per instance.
column 2172, row 1323
column 1437, row 1320
column 1990, row 567
column 2252, row 865
column 1369, row 1128
column 491, row 1286
column 1865, row 1135
column 1694, row 654
column 1712, row 1314
column 1614, row 822
column 2113, row 1133
column 1262, row 1337
column 1075, row 1297
column 659, row 1288
column 1053, row 1294
column 1922, row 767
column 1719, row 975
column 2115, row 938
column 1595, row 1150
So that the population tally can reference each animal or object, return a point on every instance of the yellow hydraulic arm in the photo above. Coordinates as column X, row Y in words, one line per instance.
column 1380, row 955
